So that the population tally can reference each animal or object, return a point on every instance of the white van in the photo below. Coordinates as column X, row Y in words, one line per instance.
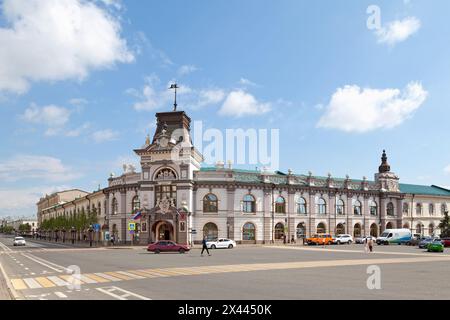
column 391, row 236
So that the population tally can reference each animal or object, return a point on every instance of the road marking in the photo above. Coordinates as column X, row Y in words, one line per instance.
column 18, row 284
column 72, row 279
column 59, row 282
column 131, row 275
column 87, row 280
column 96, row 278
column 41, row 263
column 139, row 273
column 60, row 295
column 119, row 275
column 45, row 282
column 107, row 276
column 125, row 294
column 32, row 284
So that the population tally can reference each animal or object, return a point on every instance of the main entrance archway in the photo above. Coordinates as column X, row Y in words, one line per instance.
column 163, row 230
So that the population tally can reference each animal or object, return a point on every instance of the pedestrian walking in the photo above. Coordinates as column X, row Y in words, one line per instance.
column 112, row 239
column 366, row 245
column 205, row 247
column 370, row 243
column 292, row 239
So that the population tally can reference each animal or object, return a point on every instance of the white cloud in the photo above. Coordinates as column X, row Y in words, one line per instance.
column 353, row 109
column 78, row 131
column 51, row 116
column 15, row 202
column 53, row 40
column 186, row 69
column 154, row 96
column 22, row 167
column 239, row 103
column 398, row 30
column 207, row 97
column 246, row 82
column 447, row 169
column 105, row 135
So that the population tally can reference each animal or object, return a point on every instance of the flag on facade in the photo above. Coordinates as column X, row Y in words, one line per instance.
column 137, row 215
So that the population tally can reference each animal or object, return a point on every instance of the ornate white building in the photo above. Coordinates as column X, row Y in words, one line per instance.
column 182, row 201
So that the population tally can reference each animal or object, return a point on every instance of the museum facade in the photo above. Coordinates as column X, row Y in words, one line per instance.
column 174, row 198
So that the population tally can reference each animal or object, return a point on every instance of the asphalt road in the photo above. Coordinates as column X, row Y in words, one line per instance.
column 40, row 271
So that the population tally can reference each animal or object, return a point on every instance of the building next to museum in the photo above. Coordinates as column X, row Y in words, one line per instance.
column 180, row 200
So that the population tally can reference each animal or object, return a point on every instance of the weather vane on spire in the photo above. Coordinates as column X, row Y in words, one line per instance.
column 175, row 87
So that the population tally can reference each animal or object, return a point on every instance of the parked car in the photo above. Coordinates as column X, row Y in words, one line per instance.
column 19, row 241
column 320, row 239
column 435, row 246
column 415, row 241
column 362, row 240
column 221, row 243
column 167, row 246
column 343, row 239
column 424, row 243
column 446, row 242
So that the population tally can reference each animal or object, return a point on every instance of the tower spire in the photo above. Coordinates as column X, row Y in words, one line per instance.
column 385, row 167
column 175, row 87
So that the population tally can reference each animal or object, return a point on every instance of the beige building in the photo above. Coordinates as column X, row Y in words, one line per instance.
column 182, row 201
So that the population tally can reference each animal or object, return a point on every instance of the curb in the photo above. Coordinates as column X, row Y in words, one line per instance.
column 12, row 292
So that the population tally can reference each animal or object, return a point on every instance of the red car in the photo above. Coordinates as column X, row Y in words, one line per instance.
column 446, row 242
column 167, row 246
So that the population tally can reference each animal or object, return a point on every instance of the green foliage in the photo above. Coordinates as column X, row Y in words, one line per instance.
column 6, row 229
column 81, row 221
column 25, row 228
column 445, row 226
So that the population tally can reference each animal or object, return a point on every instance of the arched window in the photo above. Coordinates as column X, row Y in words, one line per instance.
column 115, row 206
column 248, row 232
column 373, row 208
column 419, row 209
column 357, row 230
column 301, row 230
column 321, row 206
column 431, row 229
column 405, row 208
column 419, row 228
column 431, row 209
column 280, row 205
column 357, row 208
column 443, row 208
column 321, row 228
column 340, row 207
column 135, row 204
column 390, row 209
column 374, row 230
column 249, row 204
column 210, row 231
column 340, row 229
column 210, row 203
column 389, row 225
column 301, row 206
column 279, row 231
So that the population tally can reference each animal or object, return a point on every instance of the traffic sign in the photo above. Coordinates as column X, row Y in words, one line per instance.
column 131, row 226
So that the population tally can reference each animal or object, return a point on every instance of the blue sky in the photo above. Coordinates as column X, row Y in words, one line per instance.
column 77, row 97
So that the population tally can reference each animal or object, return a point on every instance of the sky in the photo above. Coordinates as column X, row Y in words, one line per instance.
column 81, row 81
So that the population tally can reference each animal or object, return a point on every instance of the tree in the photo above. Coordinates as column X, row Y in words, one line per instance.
column 445, row 226
column 25, row 228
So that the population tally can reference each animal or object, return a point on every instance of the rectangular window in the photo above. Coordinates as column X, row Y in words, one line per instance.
column 165, row 192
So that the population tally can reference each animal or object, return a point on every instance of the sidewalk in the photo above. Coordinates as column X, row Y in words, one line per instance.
column 5, row 294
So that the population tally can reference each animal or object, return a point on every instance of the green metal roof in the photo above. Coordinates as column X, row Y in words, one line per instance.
column 424, row 190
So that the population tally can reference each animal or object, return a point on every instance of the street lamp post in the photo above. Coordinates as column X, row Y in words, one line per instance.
column 72, row 231
column 90, row 230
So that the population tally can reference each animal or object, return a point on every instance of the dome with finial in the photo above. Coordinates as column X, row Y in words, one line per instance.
column 385, row 167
